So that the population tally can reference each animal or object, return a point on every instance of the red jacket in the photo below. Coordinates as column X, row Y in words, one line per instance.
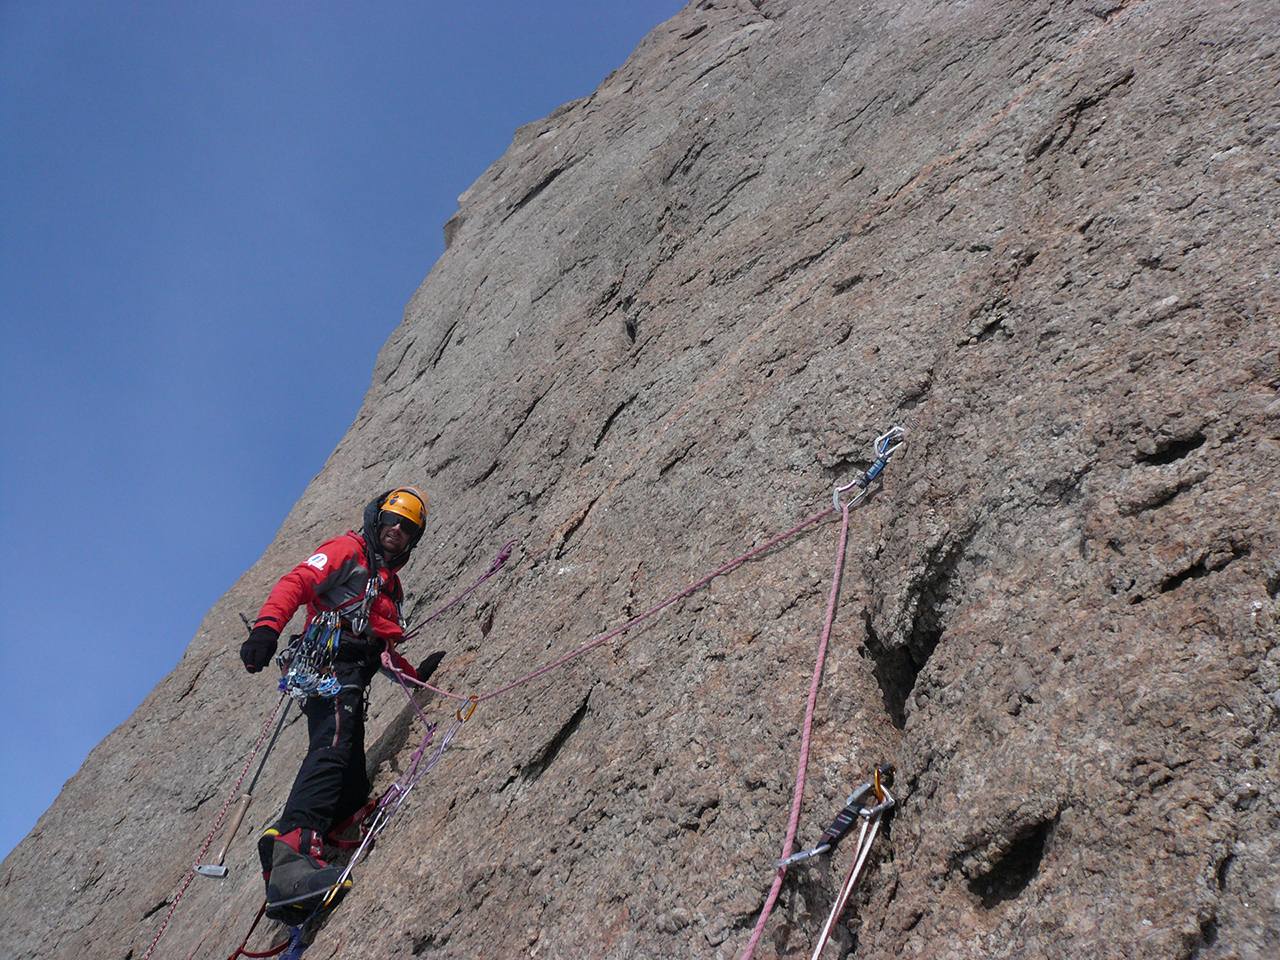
column 334, row 578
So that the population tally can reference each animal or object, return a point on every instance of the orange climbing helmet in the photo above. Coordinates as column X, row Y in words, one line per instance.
column 408, row 502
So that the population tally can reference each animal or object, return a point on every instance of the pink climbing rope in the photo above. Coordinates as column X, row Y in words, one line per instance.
column 634, row 621
column 493, row 568
column 217, row 823
column 814, row 685
column 804, row 740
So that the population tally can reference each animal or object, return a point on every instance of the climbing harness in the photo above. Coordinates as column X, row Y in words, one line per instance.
column 306, row 666
column 872, row 818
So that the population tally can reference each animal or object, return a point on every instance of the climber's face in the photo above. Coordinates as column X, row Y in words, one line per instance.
column 395, row 534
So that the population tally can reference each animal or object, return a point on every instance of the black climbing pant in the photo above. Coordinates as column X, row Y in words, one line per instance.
column 332, row 783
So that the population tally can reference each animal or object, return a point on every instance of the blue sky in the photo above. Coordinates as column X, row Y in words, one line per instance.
column 211, row 217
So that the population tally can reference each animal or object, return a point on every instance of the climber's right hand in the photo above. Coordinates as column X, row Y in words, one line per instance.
column 257, row 651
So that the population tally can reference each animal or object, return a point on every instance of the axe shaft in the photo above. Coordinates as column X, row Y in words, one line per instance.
column 237, row 816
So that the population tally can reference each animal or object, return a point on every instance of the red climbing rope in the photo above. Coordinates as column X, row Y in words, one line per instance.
column 216, row 824
column 240, row 951
column 804, row 740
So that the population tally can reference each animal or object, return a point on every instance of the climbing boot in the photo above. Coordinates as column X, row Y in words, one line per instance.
column 298, row 879
column 266, row 847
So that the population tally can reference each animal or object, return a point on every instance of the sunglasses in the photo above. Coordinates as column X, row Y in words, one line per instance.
column 389, row 520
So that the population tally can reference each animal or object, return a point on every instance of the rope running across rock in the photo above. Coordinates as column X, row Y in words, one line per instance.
column 885, row 446
column 173, row 905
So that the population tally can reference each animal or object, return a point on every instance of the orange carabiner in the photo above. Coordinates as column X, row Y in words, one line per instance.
column 473, row 700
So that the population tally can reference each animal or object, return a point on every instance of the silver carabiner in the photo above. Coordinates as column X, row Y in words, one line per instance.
column 885, row 446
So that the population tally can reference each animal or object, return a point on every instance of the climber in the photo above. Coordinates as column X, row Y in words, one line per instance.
column 351, row 583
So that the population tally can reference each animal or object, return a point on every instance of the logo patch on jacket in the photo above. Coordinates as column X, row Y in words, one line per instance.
column 318, row 561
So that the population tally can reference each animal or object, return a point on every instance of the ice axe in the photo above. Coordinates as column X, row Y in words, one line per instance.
column 217, row 869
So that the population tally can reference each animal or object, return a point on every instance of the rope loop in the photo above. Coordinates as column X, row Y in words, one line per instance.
column 242, row 951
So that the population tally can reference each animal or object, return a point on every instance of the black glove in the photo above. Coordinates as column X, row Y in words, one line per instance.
column 428, row 666
column 257, row 651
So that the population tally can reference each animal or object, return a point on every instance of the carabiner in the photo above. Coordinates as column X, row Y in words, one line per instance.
column 835, row 496
column 802, row 855
column 472, row 700
column 897, row 435
column 885, row 446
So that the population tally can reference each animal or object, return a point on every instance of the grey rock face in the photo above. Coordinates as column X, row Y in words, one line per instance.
column 669, row 320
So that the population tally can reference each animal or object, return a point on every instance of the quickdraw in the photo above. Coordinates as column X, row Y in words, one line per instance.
column 885, row 446
column 871, row 818
column 306, row 667
column 853, row 809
